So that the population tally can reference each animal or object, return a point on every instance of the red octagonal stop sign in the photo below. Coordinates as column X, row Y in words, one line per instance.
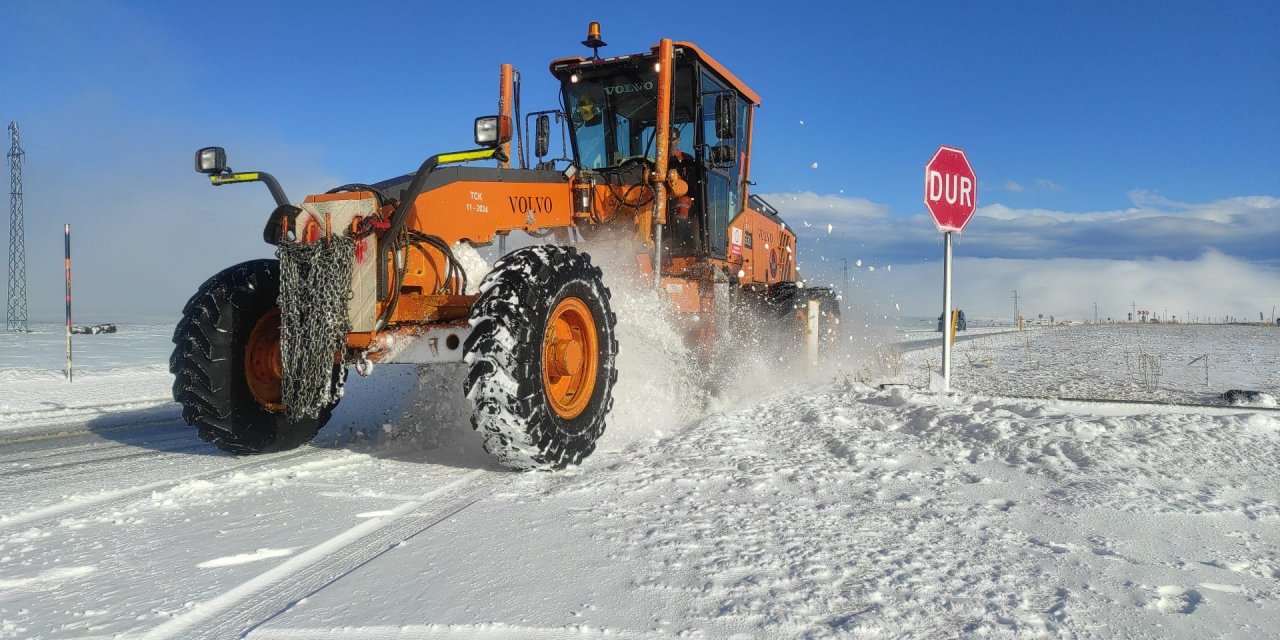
column 950, row 189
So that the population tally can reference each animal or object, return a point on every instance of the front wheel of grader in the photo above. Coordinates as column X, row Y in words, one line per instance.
column 542, row 358
column 227, row 367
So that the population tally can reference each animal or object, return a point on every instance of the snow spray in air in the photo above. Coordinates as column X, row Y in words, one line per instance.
column 658, row 389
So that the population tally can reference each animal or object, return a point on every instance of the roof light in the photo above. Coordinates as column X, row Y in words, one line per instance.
column 593, row 34
column 593, row 40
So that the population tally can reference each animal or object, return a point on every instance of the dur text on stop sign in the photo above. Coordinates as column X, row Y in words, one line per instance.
column 950, row 188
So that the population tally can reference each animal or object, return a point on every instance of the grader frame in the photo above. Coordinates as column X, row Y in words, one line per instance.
column 409, row 301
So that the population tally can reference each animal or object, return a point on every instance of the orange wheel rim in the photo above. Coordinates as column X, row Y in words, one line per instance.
column 570, row 358
column 263, row 369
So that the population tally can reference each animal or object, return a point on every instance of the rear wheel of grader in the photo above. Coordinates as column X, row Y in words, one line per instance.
column 542, row 353
column 226, row 363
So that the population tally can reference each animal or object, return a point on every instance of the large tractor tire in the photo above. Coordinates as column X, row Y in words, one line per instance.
column 226, row 363
column 541, row 355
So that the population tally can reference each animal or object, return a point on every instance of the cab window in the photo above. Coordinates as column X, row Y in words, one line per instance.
column 722, row 157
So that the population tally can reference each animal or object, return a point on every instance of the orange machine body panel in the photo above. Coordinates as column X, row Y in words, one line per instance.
column 762, row 248
column 475, row 211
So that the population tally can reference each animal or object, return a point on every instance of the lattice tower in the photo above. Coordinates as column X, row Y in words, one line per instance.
column 16, row 310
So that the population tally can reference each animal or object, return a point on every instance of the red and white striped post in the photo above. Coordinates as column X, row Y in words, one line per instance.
column 66, row 230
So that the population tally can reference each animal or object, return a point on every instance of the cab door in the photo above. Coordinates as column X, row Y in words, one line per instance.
column 722, row 158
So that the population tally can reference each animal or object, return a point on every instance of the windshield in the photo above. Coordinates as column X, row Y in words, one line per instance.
column 614, row 113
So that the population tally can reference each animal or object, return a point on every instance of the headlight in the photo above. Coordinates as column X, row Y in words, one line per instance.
column 492, row 131
column 211, row 160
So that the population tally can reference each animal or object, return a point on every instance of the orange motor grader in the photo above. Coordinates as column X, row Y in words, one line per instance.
column 657, row 150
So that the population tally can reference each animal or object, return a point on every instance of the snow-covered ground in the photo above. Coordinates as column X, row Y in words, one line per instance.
column 822, row 509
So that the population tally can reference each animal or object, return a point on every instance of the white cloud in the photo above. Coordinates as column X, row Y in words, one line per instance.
column 1144, row 198
column 1212, row 285
column 1246, row 226
column 1220, row 211
column 1046, row 184
column 1215, row 258
column 1040, row 184
column 826, row 209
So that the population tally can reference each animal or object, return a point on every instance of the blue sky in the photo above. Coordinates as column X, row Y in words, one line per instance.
column 1108, row 138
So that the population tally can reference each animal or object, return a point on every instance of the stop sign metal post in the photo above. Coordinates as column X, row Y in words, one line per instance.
column 951, row 195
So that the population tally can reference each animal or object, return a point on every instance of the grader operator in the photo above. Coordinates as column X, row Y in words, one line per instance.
column 367, row 273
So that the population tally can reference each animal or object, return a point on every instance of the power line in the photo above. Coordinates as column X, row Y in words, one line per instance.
column 16, row 309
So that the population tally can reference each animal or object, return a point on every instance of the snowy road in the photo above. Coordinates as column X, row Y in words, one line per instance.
column 821, row 511
column 852, row 512
column 150, row 523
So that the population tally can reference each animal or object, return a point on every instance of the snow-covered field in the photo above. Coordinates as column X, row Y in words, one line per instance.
column 832, row 508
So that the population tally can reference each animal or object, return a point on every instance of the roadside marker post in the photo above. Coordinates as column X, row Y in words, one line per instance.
column 66, row 230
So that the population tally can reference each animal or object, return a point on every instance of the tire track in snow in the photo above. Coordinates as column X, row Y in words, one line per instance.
column 72, row 421
column 96, row 444
column 106, row 500
column 74, row 468
column 495, row 630
column 260, row 599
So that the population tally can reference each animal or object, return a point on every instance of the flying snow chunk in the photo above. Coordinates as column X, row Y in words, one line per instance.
column 813, row 166
column 802, row 123
column 888, row 267
column 829, row 227
column 871, row 268
column 857, row 263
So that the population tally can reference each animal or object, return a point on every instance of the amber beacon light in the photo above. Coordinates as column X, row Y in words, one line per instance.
column 593, row 40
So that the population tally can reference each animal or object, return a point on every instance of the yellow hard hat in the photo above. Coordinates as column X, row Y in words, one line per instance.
column 587, row 108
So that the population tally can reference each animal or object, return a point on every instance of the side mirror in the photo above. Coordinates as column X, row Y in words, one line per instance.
column 722, row 156
column 492, row 131
column 211, row 160
column 542, row 136
column 726, row 116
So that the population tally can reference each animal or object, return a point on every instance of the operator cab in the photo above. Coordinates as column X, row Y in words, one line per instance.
column 612, row 109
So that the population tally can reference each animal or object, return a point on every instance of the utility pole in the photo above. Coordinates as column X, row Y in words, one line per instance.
column 1134, row 311
column 15, row 315
column 1095, row 313
column 845, row 269
column 1015, row 305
